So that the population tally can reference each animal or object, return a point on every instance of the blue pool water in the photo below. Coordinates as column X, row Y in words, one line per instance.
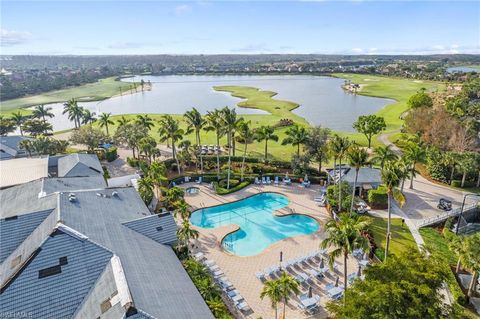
column 259, row 228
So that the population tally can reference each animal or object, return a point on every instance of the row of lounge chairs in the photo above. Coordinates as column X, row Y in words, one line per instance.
column 223, row 282
column 266, row 180
column 210, row 149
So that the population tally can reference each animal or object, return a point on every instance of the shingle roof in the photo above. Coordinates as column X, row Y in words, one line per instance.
column 157, row 281
column 59, row 294
column 10, row 146
column 22, row 170
column 161, row 228
column 79, row 165
column 139, row 315
column 366, row 175
column 68, row 184
column 14, row 231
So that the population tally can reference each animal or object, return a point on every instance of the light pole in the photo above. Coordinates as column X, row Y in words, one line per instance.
column 461, row 211
column 281, row 259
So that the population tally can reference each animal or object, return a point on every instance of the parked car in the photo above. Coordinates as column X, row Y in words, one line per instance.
column 444, row 204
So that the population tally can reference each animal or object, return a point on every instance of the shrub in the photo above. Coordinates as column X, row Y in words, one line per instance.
column 224, row 191
column 458, row 183
column 111, row 154
column 233, row 182
column 378, row 198
column 380, row 253
column 133, row 162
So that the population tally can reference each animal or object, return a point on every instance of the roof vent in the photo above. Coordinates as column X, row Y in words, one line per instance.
column 115, row 194
column 42, row 194
column 72, row 198
column 159, row 228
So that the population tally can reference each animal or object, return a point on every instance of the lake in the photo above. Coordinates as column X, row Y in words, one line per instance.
column 463, row 69
column 322, row 100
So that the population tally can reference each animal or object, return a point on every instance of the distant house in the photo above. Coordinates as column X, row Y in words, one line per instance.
column 10, row 147
column 79, row 165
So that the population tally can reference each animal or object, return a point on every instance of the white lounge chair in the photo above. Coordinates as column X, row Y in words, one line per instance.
column 276, row 181
column 199, row 256
column 257, row 181
column 260, row 275
column 200, row 179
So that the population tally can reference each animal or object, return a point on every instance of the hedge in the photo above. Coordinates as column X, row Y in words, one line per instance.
column 378, row 198
column 458, row 183
column 111, row 154
column 224, row 191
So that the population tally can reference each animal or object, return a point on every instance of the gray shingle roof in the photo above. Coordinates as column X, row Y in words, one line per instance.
column 139, row 315
column 60, row 294
column 9, row 146
column 79, row 165
column 68, row 184
column 15, row 230
column 161, row 228
column 157, row 281
column 366, row 175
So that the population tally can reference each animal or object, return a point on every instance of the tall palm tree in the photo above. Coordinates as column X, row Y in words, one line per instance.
column 230, row 121
column 391, row 176
column 123, row 121
column 273, row 291
column 266, row 133
column 88, row 117
column 357, row 157
column 195, row 122
column 215, row 123
column 19, row 119
column 171, row 131
column 450, row 159
column 246, row 134
column 104, row 121
column 288, row 286
column 185, row 233
column 157, row 172
column 384, row 154
column 74, row 111
column 415, row 152
column 145, row 121
column 296, row 136
column 403, row 165
column 42, row 112
column 145, row 189
column 345, row 235
column 339, row 146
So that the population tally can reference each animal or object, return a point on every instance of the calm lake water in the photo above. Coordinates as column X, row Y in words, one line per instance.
column 322, row 100
column 462, row 69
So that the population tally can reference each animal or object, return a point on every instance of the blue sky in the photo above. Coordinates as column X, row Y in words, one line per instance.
column 203, row 27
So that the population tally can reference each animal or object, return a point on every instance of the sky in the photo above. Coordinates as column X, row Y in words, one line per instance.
column 239, row 27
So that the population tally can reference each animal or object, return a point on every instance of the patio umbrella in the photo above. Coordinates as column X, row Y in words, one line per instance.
column 359, row 271
column 310, row 293
column 322, row 264
column 336, row 281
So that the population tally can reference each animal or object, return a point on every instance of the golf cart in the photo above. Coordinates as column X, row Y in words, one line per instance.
column 444, row 204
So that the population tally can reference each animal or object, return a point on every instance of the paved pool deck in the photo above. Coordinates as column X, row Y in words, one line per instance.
column 241, row 270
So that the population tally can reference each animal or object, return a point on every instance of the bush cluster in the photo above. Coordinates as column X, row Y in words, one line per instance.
column 378, row 198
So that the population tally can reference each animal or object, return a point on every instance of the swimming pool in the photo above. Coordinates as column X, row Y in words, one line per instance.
column 259, row 228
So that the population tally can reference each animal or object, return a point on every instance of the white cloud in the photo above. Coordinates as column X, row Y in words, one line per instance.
column 10, row 37
column 182, row 9
column 131, row 45
column 357, row 50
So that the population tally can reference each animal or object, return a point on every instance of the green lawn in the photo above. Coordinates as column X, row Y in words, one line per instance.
column 401, row 240
column 100, row 90
column 398, row 89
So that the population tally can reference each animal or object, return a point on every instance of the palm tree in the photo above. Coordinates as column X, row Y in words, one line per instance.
column 345, row 235
column 272, row 290
column 145, row 189
column 214, row 123
column 357, row 157
column 246, row 134
column 145, row 121
column 104, row 120
column 415, row 152
column 217, row 306
column 122, row 121
column 450, row 159
column 266, row 133
column 157, row 173
column 74, row 111
column 147, row 146
column 88, row 117
column 466, row 165
column 195, row 122
column 207, row 287
column 230, row 121
column 339, row 146
column 403, row 165
column 384, row 154
column 391, row 176
column 26, row 145
column 288, row 286
column 183, row 209
column 185, row 233
column 41, row 112
column 170, row 130
column 296, row 136
column 18, row 119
